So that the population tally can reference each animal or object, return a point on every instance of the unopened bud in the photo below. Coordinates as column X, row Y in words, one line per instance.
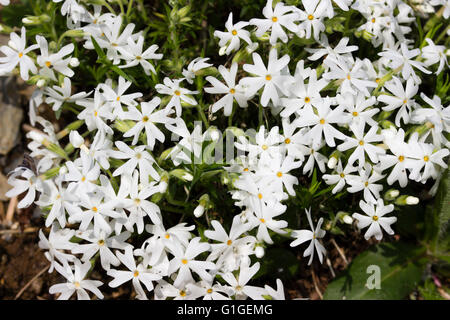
column 332, row 163
column 347, row 219
column 36, row 136
column 40, row 83
column 410, row 200
column 74, row 62
column 199, row 210
column 259, row 252
column 76, row 139
column 391, row 194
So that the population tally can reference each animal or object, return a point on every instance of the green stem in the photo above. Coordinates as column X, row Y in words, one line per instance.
column 130, row 5
column 203, row 116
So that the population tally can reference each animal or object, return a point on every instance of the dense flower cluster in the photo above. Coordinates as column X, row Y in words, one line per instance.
column 108, row 189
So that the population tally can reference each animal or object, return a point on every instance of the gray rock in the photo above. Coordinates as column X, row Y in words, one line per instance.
column 4, row 187
column 11, row 115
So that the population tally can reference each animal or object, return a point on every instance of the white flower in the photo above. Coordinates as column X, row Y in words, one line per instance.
column 312, row 18
column 178, row 94
column 264, row 220
column 146, row 119
column 136, row 274
column 134, row 55
column 59, row 95
column 58, row 241
column 16, row 53
column 184, row 262
column 28, row 181
column 76, row 282
column 55, row 61
column 322, row 121
column 275, row 19
column 230, row 89
column 270, row 78
column 234, row 33
column 136, row 157
column 313, row 236
column 115, row 98
column 363, row 144
column 239, row 283
column 225, row 251
column 303, row 94
column 194, row 66
column 101, row 243
column 403, row 59
column 434, row 54
column 402, row 98
column 340, row 177
column 375, row 219
column 366, row 181
column 276, row 294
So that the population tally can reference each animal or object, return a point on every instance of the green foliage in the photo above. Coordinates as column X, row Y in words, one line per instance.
column 401, row 267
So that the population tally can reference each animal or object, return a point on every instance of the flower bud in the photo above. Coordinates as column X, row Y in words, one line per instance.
column 40, row 83
column 36, row 136
column 347, row 219
column 76, row 139
column 259, row 252
column 74, row 62
column 410, row 200
column 332, row 163
column 199, row 210
column 391, row 194
column 181, row 174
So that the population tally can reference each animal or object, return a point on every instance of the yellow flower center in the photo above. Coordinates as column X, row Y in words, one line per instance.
column 234, row 32
column 137, row 201
column 138, row 57
column 355, row 114
column 375, row 218
column 177, row 93
column 94, row 209
column 229, row 242
column 322, row 121
column 114, row 44
column 268, row 77
column 310, row 17
column 279, row 174
column 401, row 158
column 373, row 20
column 287, row 140
column 245, row 169
column 260, row 196
column 182, row 293
column 342, row 175
column 118, row 99
column 262, row 220
column 307, row 99
column 136, row 273
column 361, row 143
column 366, row 183
column 138, row 155
column 232, row 91
column 209, row 290
column 76, row 284
column 48, row 64
column 426, row 158
column 405, row 101
column 274, row 19
column 377, row 80
column 83, row 179
column 167, row 236
column 348, row 77
column 145, row 119
column 264, row 147
column 20, row 54
column 95, row 113
column 101, row 242
column 184, row 261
